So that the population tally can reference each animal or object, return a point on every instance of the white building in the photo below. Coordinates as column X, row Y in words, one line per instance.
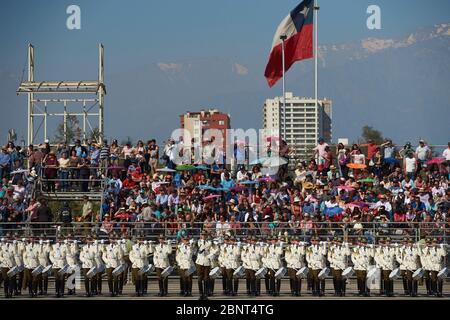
column 304, row 124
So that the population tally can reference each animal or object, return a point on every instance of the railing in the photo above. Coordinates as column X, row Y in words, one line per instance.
column 152, row 229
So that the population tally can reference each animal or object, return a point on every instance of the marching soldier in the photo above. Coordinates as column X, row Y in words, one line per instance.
column 361, row 256
column 213, row 257
column 88, row 262
column 72, row 255
column 112, row 257
column 203, row 264
column 295, row 256
column 409, row 260
column 161, row 253
column 31, row 261
column 273, row 256
column 315, row 257
column 385, row 259
column 436, row 262
column 43, row 251
column 125, row 245
column 247, row 265
column 338, row 258
column 424, row 261
column 233, row 261
column 223, row 264
column 399, row 249
column 184, row 260
column 58, row 259
column 97, row 248
column 7, row 261
column 139, row 260
column 19, row 248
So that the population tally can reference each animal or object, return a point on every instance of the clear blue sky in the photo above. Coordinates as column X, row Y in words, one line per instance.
column 140, row 32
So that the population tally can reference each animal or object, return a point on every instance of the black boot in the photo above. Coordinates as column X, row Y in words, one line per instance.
column 440, row 284
column 205, row 289
column 161, row 288
column 165, row 286
column 235, row 287
column 200, row 289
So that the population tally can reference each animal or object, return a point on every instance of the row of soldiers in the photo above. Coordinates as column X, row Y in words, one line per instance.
column 255, row 259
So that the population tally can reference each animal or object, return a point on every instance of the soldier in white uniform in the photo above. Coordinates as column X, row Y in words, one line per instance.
column 88, row 262
column 246, row 264
column 232, row 262
column 338, row 255
column 139, row 259
column 361, row 256
column 161, row 254
column 7, row 261
column 97, row 248
column 424, row 261
column 19, row 248
column 203, row 264
column 435, row 256
column 385, row 259
column 72, row 257
column 184, row 259
column 112, row 257
column 58, row 258
column 43, row 251
column 223, row 264
column 213, row 257
column 31, row 261
column 399, row 257
column 295, row 257
column 409, row 260
column 316, row 258
column 274, row 254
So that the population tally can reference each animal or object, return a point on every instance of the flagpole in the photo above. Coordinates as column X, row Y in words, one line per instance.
column 283, row 38
column 316, row 79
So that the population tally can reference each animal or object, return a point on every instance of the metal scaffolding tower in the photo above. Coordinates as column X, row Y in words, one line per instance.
column 92, row 107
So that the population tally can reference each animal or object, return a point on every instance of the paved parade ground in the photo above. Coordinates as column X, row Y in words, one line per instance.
column 285, row 294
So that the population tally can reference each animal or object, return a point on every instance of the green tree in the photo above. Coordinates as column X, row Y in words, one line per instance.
column 73, row 130
column 369, row 133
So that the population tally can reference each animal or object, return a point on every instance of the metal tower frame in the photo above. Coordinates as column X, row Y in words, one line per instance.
column 37, row 107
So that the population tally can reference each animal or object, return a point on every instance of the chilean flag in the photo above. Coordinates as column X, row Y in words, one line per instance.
column 298, row 29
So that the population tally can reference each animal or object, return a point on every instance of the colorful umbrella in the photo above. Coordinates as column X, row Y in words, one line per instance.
column 366, row 180
column 436, row 161
column 248, row 182
column 333, row 211
column 213, row 196
column 274, row 162
column 123, row 216
column 165, row 170
column 258, row 161
column 185, row 167
column 202, row 167
column 266, row 179
column 205, row 186
column 356, row 166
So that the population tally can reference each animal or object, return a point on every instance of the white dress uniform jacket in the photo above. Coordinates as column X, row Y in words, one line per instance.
column 203, row 252
column 183, row 256
column 112, row 255
column 408, row 258
column 30, row 257
column 161, row 253
column 338, row 256
column 295, row 255
column 316, row 256
column 58, row 256
column 385, row 258
column 361, row 257
column 139, row 256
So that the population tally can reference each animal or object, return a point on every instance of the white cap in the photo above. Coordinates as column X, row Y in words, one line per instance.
column 95, row 241
column 41, row 241
column 46, row 141
column 102, row 241
column 145, row 242
column 124, row 241
column 66, row 241
column 2, row 239
column 24, row 239
column 75, row 241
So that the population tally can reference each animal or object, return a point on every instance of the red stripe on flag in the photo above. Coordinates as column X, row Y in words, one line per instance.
column 297, row 47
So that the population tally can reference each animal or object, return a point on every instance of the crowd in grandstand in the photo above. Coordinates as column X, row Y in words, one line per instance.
column 383, row 190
